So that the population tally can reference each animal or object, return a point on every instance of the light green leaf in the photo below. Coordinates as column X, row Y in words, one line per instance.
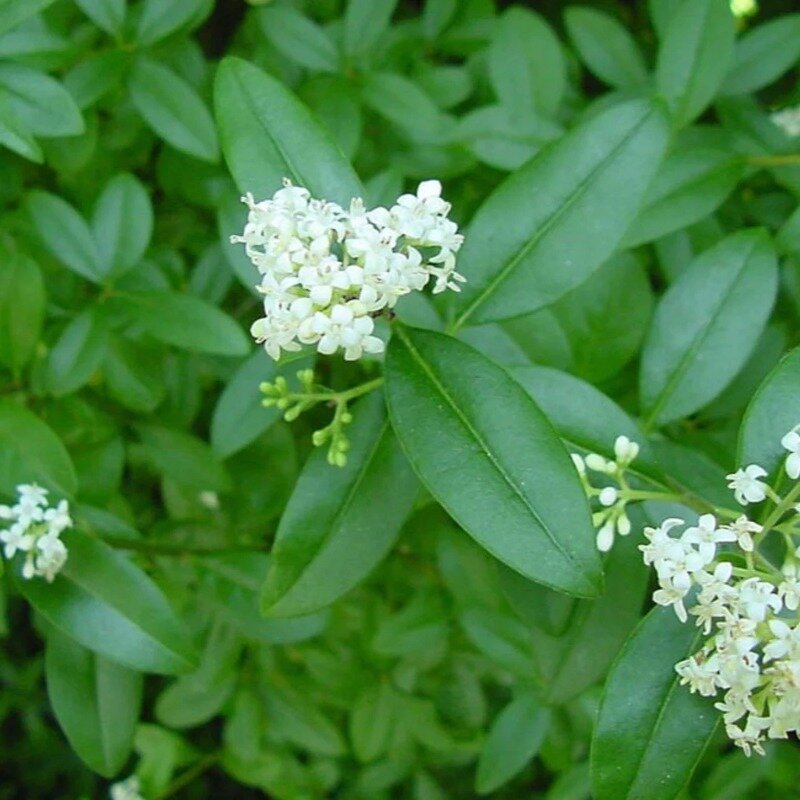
column 365, row 21
column 65, row 234
column 763, row 54
column 95, row 76
column 526, row 66
column 298, row 38
column 12, row 12
column 134, row 375
column 372, row 719
column 96, row 702
column 122, row 224
column 707, row 324
column 171, row 107
column 518, row 262
column 661, row 12
column 646, row 720
column 606, row 47
column 293, row 717
column 694, row 56
column 78, row 353
column 772, row 413
column 461, row 420
column 436, row 16
column 514, row 739
column 15, row 135
column 268, row 135
column 30, row 451
column 40, row 102
column 690, row 185
column 239, row 417
column 188, row 322
column 106, row 14
column 106, row 603
column 339, row 523
column 160, row 18
column 22, row 300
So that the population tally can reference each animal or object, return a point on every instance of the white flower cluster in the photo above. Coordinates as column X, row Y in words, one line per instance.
column 326, row 271
column 788, row 120
column 129, row 789
column 611, row 517
column 35, row 530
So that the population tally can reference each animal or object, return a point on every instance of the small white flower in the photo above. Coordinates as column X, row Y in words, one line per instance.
column 670, row 595
column 127, row 790
column 700, row 673
column 756, row 598
column 785, row 643
column 625, row 450
column 598, row 463
column 608, row 496
column 605, row 537
column 747, row 487
column 16, row 539
column 579, row 463
column 743, row 529
column 706, row 535
column 659, row 540
column 31, row 494
column 789, row 589
column 58, row 518
column 791, row 441
column 788, row 120
column 51, row 557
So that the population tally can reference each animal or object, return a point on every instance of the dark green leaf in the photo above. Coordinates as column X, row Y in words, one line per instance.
column 15, row 135
column 517, row 262
column 22, row 299
column 299, row 39
column 78, row 353
column 461, row 420
column 371, row 721
column 650, row 731
column 12, row 12
column 134, row 375
column 96, row 702
column 106, row 14
column 160, row 18
column 365, row 21
column 340, row 523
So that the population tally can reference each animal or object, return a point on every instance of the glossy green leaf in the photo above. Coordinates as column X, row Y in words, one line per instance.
column 606, row 47
column 694, row 56
column 526, row 65
column 22, row 300
column 268, row 135
column 706, row 325
column 365, row 21
column 772, row 413
column 96, row 702
column 514, row 739
column 188, row 322
column 12, row 12
column 30, row 451
column 518, row 262
column 172, row 108
column 690, row 185
column 461, row 420
column 763, row 54
column 160, row 18
column 122, row 224
column 78, row 353
column 65, row 234
column 106, row 14
column 40, row 102
column 340, row 523
column 299, row 39
column 239, row 416
column 106, row 603
column 646, row 720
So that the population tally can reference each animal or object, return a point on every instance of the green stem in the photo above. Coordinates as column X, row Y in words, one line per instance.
column 788, row 159
column 336, row 397
column 185, row 778
column 780, row 509
column 169, row 549
column 755, row 573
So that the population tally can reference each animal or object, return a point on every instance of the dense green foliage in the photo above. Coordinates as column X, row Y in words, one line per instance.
column 432, row 621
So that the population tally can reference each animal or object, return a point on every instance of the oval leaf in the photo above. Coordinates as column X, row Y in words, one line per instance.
column 491, row 458
column 578, row 195
column 339, row 523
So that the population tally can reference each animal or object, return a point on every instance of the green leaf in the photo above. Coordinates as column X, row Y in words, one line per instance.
column 339, row 523
column 239, row 417
column 706, row 325
column 96, row 702
column 763, row 54
column 502, row 638
column 188, row 322
column 299, row 39
column 526, row 65
column 30, row 451
column 22, row 300
column 160, row 18
column 122, row 224
column 606, row 47
column 268, row 135
column 772, row 413
column 106, row 14
column 134, row 375
column 372, row 718
column 365, row 22
column 172, row 108
column 436, row 16
column 650, row 731
column 514, row 739
column 106, row 603
column 462, row 421
column 95, row 76
column 695, row 56
column 12, row 12
column 40, row 102
column 690, row 185
column 65, row 234
column 518, row 262
column 15, row 135
column 78, row 353
column 183, row 458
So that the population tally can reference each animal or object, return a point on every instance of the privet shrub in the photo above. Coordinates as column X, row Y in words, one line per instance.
column 499, row 497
